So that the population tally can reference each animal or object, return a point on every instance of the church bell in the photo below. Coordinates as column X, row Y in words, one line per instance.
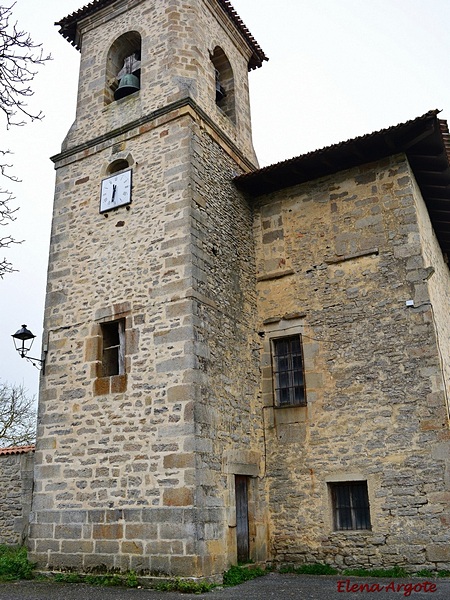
column 127, row 85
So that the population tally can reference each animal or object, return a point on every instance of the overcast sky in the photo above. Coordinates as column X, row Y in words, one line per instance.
column 337, row 69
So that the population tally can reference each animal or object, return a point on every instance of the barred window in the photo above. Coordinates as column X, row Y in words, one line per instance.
column 350, row 506
column 289, row 377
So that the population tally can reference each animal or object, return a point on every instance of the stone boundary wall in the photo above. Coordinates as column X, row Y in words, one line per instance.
column 16, row 488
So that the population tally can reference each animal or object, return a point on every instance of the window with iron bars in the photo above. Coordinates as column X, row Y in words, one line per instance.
column 350, row 506
column 288, row 371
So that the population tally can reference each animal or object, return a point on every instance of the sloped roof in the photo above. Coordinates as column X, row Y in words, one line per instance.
column 425, row 141
column 16, row 450
column 68, row 27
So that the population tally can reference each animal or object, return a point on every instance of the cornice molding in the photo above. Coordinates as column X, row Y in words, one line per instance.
column 153, row 116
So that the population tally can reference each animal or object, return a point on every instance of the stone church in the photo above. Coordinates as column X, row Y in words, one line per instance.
column 241, row 363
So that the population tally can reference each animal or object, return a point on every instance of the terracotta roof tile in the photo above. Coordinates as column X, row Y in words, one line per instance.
column 17, row 450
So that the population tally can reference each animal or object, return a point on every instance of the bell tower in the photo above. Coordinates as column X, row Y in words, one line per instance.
column 149, row 451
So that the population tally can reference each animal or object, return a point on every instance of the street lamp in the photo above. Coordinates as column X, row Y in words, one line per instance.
column 22, row 336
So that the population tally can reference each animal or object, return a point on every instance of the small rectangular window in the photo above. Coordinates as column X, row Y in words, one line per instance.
column 113, row 353
column 350, row 506
column 288, row 370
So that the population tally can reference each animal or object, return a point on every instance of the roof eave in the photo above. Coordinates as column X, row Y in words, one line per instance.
column 69, row 29
column 348, row 154
column 425, row 141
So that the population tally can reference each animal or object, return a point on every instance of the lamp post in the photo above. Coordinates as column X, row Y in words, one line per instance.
column 22, row 336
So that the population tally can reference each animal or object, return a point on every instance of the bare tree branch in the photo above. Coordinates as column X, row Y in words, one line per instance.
column 20, row 58
column 17, row 416
column 7, row 215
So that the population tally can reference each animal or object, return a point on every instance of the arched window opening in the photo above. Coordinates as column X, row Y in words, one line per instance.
column 117, row 166
column 224, row 83
column 123, row 68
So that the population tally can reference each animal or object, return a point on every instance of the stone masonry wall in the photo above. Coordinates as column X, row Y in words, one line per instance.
column 115, row 465
column 227, row 412
column 16, row 487
column 118, row 482
column 125, row 478
column 177, row 41
column 337, row 259
column 435, row 277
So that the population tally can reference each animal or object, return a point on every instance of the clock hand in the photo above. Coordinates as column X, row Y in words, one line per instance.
column 113, row 193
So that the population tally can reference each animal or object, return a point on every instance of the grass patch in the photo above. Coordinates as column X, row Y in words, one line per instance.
column 67, row 578
column 107, row 580
column 394, row 572
column 425, row 573
column 314, row 569
column 430, row 574
column 236, row 575
column 185, row 586
column 131, row 580
column 104, row 580
column 14, row 564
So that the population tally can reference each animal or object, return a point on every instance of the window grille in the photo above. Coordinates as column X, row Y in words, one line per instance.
column 289, row 371
column 351, row 506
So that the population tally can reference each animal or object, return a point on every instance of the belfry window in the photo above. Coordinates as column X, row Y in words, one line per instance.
column 223, row 83
column 123, row 69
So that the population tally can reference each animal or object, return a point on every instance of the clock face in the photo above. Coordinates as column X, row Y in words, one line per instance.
column 115, row 191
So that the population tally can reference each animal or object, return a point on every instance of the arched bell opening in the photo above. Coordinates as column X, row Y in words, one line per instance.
column 123, row 67
column 224, row 83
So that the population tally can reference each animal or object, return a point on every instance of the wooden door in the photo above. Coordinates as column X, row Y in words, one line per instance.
column 242, row 534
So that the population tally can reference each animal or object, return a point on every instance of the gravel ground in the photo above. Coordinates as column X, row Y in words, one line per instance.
column 270, row 587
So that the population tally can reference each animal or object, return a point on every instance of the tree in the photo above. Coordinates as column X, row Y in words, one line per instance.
column 19, row 59
column 17, row 416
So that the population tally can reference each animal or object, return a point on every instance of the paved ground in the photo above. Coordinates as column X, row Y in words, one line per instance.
column 270, row 587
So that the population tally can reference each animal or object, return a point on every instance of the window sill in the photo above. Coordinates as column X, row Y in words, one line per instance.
column 290, row 415
column 287, row 406
column 352, row 532
column 115, row 384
